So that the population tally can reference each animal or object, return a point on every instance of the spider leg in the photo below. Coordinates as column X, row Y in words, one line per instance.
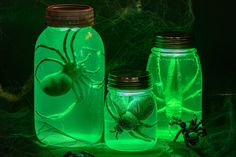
column 198, row 124
column 84, row 60
column 179, row 77
column 138, row 131
column 91, row 71
column 72, row 47
column 170, row 75
column 64, row 45
column 87, row 78
column 77, row 91
column 112, row 131
column 92, row 83
column 47, row 60
column 80, row 90
column 110, row 112
column 193, row 95
column 56, row 130
column 135, row 136
column 195, row 119
column 60, row 115
column 192, row 82
column 117, row 107
column 117, row 133
column 161, row 110
column 53, row 50
column 147, row 125
column 159, row 73
column 186, row 142
column 177, row 135
column 84, row 80
column 159, row 100
column 191, row 111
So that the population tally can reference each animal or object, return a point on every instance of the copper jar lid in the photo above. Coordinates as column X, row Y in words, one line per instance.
column 174, row 40
column 62, row 15
column 129, row 79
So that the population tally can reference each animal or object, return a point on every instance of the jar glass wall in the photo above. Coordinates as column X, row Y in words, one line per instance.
column 130, row 117
column 177, row 77
column 69, row 71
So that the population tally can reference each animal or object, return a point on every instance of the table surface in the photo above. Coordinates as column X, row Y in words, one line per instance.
column 162, row 149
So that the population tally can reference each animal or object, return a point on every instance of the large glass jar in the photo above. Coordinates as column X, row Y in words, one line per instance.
column 130, row 111
column 177, row 77
column 69, row 78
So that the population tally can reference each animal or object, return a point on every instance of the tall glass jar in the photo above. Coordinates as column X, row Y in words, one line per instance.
column 177, row 76
column 69, row 78
column 130, row 111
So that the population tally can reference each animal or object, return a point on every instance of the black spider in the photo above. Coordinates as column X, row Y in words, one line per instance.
column 191, row 133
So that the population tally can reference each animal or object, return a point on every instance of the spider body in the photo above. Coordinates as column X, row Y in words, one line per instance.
column 130, row 119
column 191, row 133
column 174, row 108
column 56, row 84
column 171, row 93
column 193, row 138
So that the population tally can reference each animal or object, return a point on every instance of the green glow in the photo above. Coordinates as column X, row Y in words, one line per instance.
column 177, row 80
column 69, row 86
column 131, row 116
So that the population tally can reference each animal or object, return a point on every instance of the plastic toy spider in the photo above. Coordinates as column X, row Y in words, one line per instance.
column 130, row 120
column 172, row 98
column 191, row 133
column 72, row 75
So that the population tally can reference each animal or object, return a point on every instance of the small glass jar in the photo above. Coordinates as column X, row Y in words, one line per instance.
column 69, row 65
column 177, row 81
column 130, row 111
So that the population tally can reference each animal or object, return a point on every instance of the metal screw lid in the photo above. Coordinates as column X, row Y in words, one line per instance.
column 129, row 79
column 174, row 40
column 61, row 15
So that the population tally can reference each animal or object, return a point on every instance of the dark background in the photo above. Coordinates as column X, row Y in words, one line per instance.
column 212, row 22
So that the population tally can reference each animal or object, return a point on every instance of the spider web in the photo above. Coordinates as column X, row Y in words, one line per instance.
column 128, row 28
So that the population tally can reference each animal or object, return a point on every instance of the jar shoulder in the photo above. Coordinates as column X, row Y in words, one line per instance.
column 53, row 35
column 163, row 52
column 118, row 92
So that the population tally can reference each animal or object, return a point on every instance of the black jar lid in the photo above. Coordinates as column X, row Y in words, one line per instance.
column 174, row 40
column 68, row 15
column 129, row 79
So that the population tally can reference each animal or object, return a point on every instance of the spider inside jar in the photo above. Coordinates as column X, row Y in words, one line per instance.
column 191, row 133
column 131, row 119
column 73, row 73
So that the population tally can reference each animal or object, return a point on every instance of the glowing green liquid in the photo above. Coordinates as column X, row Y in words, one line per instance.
column 121, row 103
column 178, row 87
column 69, row 98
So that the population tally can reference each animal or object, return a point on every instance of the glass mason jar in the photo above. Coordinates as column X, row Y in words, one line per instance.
column 69, row 78
column 130, row 111
column 177, row 77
